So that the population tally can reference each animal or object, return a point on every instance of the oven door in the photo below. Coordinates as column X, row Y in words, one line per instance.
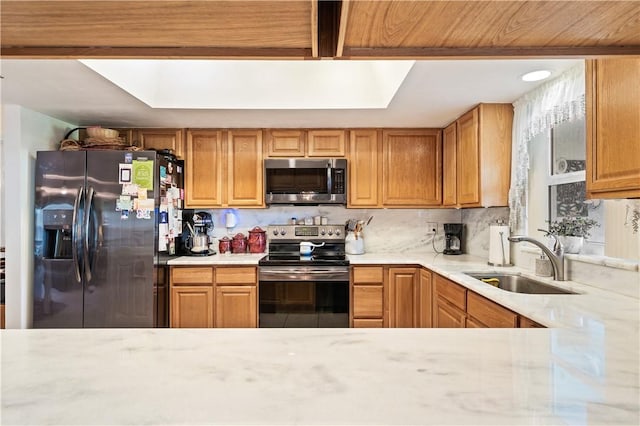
column 303, row 297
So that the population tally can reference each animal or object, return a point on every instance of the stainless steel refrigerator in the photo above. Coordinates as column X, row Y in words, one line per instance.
column 104, row 228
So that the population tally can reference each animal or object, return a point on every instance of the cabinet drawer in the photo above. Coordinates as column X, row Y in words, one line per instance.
column 368, row 275
column 367, row 323
column 490, row 313
column 242, row 275
column 196, row 275
column 367, row 301
column 453, row 293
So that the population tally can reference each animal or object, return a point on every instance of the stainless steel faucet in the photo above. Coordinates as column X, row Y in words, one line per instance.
column 556, row 256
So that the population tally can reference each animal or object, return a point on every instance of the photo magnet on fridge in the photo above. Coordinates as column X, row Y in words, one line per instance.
column 124, row 175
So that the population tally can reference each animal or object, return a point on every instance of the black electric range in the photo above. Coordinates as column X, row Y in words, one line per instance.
column 304, row 291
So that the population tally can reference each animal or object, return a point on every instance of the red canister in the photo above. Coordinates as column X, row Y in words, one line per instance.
column 239, row 244
column 224, row 245
column 257, row 240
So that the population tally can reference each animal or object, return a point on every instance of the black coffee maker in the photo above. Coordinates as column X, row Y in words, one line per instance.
column 453, row 238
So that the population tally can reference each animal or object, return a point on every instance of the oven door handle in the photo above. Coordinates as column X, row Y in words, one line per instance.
column 317, row 275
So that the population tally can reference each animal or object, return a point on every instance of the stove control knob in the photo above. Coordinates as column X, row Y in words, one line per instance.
column 283, row 231
column 330, row 232
column 322, row 231
column 337, row 232
column 275, row 232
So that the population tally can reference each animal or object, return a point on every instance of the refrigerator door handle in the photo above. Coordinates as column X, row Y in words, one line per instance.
column 87, row 217
column 76, row 234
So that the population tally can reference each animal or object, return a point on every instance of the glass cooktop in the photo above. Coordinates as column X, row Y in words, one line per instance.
column 295, row 259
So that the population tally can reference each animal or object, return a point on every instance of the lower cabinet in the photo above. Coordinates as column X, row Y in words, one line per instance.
column 449, row 303
column 219, row 296
column 455, row 306
column 236, row 306
column 482, row 312
column 192, row 307
column 191, row 303
column 398, row 296
column 367, row 297
column 447, row 315
column 528, row 323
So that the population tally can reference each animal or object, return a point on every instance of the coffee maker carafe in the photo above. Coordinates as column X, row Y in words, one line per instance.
column 453, row 238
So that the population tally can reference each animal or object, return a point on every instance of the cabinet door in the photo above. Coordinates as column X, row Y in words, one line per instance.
column 236, row 306
column 203, row 169
column 525, row 322
column 613, row 128
column 403, row 297
column 425, row 299
column 449, row 167
column 192, row 307
column 411, row 168
column 285, row 143
column 325, row 143
column 474, row 323
column 468, row 159
column 244, row 169
column 446, row 315
column 162, row 139
column 490, row 313
column 363, row 168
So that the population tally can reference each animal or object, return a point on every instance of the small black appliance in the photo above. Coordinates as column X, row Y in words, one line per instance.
column 453, row 238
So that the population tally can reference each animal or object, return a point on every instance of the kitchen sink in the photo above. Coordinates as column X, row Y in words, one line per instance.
column 517, row 283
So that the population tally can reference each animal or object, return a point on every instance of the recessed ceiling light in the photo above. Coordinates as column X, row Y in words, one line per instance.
column 536, row 75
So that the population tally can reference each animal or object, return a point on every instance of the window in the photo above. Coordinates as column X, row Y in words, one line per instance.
column 566, row 181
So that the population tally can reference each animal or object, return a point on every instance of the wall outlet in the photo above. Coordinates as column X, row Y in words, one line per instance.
column 432, row 227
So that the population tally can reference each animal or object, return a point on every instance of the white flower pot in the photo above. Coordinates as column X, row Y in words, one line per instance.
column 571, row 244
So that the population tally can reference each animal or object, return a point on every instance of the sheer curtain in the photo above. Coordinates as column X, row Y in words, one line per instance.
column 554, row 102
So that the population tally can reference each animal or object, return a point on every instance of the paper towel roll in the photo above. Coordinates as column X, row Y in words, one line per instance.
column 230, row 220
column 498, row 241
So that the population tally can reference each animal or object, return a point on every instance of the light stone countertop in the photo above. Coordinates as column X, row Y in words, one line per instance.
column 584, row 370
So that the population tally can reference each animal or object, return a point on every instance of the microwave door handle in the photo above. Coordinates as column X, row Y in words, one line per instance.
column 329, row 182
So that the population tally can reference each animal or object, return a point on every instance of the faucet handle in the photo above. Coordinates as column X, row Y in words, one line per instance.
column 558, row 248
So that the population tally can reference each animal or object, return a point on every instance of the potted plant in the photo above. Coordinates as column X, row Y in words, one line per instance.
column 571, row 231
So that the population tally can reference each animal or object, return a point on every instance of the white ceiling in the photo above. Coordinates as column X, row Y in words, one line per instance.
column 433, row 94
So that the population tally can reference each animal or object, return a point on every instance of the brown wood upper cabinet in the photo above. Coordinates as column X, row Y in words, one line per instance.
column 203, row 169
column 224, row 168
column 613, row 128
column 326, row 143
column 305, row 143
column 449, row 176
column 363, row 169
column 482, row 157
column 158, row 139
column 411, row 168
column 285, row 143
column 244, row 169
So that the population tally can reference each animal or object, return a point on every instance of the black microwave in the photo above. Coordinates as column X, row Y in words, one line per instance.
column 305, row 181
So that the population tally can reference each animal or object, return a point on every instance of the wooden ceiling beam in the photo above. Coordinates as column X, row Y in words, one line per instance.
column 487, row 52
column 163, row 52
column 328, row 27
